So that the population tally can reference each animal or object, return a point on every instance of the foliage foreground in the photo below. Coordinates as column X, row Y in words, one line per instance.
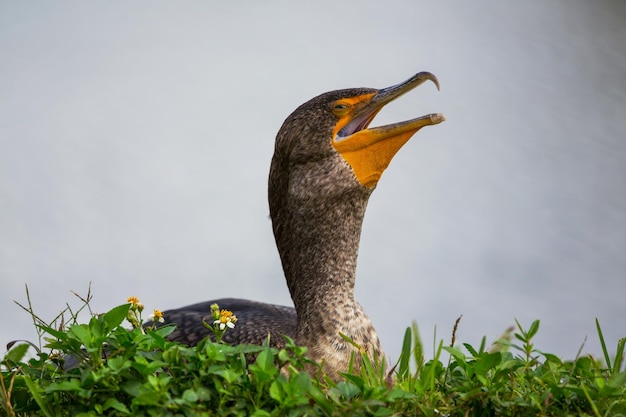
column 102, row 368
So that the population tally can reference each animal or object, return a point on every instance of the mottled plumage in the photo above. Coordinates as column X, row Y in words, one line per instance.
column 276, row 321
column 317, row 204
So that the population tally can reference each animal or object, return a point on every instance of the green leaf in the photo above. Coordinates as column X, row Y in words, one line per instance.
column 471, row 349
column 158, row 336
column 72, row 385
column 34, row 391
column 215, row 352
column 98, row 329
column 302, row 381
column 87, row 414
column 81, row 332
column 117, row 363
column 276, row 391
column 520, row 338
column 116, row 405
column 456, row 354
column 534, row 328
column 132, row 387
column 16, row 354
column 229, row 375
column 355, row 380
column 487, row 362
column 509, row 364
column 618, row 380
column 265, row 360
column 146, row 398
column 53, row 332
column 190, row 396
column 203, row 394
column 348, row 390
column 322, row 400
column 145, row 367
column 398, row 394
column 116, row 316
column 552, row 358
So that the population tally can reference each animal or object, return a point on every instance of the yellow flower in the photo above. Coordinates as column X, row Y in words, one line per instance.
column 157, row 315
column 226, row 319
column 133, row 300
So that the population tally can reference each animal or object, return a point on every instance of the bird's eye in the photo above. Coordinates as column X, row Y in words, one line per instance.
column 339, row 109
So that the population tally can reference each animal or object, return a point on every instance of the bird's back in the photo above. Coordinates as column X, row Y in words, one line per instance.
column 255, row 321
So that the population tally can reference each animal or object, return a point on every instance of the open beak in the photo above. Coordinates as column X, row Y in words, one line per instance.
column 370, row 150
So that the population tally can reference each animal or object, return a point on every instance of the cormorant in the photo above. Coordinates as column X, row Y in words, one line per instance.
column 326, row 163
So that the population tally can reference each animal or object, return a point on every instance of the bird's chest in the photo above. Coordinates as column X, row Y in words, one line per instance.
column 335, row 338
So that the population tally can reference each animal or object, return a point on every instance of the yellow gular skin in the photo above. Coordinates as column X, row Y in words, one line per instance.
column 369, row 151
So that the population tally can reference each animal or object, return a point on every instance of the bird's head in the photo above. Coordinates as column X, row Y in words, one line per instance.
column 326, row 163
column 335, row 126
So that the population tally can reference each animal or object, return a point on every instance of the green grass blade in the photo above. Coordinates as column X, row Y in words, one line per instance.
column 433, row 368
column 603, row 344
column 405, row 354
column 619, row 356
column 418, row 350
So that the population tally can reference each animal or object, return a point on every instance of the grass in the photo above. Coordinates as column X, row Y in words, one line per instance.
column 103, row 368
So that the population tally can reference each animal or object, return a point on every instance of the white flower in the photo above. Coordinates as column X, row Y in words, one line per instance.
column 226, row 319
column 157, row 315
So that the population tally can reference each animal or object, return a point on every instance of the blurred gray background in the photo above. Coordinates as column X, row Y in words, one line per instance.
column 135, row 141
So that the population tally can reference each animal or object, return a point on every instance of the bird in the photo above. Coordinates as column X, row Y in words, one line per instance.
column 327, row 162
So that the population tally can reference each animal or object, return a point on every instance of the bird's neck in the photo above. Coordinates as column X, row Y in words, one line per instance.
column 319, row 251
column 319, row 256
column 317, row 223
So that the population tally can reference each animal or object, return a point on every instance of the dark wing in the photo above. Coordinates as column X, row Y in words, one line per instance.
column 254, row 322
